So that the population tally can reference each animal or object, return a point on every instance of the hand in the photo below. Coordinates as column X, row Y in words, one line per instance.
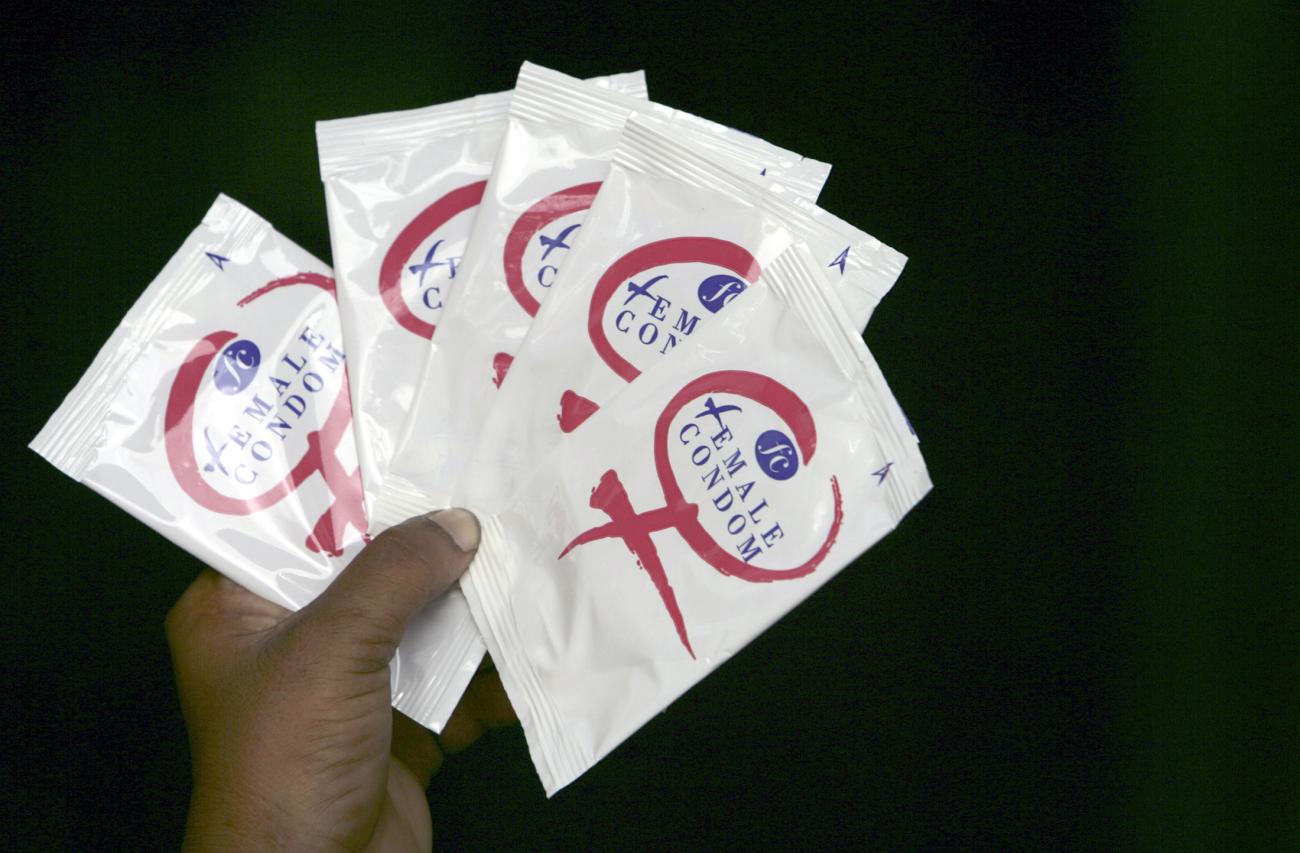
column 295, row 744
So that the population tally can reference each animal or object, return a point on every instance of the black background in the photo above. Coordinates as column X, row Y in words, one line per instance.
column 1084, row 637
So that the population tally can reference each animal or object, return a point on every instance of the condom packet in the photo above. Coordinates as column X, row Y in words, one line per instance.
column 756, row 460
column 555, row 152
column 218, row 414
column 401, row 190
column 671, row 239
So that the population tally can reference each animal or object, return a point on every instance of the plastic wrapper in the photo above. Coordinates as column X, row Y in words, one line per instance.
column 714, row 494
column 401, row 191
column 670, row 241
column 218, row 414
column 554, row 155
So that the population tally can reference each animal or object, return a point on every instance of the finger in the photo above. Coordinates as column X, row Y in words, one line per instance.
column 361, row 616
column 214, row 608
column 194, row 602
column 494, row 707
column 484, row 706
column 184, row 624
column 416, row 747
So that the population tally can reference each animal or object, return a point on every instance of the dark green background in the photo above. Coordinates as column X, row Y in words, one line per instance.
column 1085, row 636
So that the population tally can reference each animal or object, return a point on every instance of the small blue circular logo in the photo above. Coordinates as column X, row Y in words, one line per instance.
column 236, row 367
column 717, row 290
column 776, row 455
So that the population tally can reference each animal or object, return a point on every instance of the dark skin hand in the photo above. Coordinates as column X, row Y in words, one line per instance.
column 295, row 742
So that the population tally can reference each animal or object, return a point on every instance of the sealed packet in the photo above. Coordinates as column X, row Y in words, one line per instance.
column 755, row 461
column 218, row 411
column 218, row 414
column 553, row 157
column 401, row 191
column 672, row 238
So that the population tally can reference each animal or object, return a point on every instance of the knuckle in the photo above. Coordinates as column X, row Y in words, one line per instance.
column 361, row 622
column 357, row 635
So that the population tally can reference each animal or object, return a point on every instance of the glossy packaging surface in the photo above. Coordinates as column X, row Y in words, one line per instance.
column 673, row 237
column 218, row 414
column 401, row 191
column 554, row 155
column 753, row 462
column 218, row 411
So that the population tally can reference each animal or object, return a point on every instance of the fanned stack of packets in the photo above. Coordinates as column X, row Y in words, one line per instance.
column 624, row 336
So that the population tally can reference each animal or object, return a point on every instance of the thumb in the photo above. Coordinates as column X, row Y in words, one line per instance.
column 362, row 614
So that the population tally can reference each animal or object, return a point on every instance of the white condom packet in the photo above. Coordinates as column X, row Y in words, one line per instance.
column 755, row 461
column 218, row 414
column 672, row 238
column 555, row 152
column 401, row 191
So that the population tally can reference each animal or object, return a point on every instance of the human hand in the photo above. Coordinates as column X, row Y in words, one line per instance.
column 294, row 740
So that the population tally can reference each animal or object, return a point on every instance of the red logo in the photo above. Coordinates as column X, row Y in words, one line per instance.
column 408, row 242
column 500, row 365
column 532, row 221
column 346, row 509
column 575, row 408
column 634, row 528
